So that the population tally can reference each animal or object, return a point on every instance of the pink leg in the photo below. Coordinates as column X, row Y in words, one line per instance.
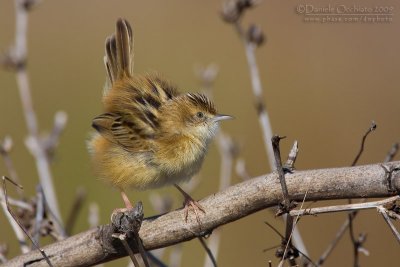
column 128, row 204
column 190, row 203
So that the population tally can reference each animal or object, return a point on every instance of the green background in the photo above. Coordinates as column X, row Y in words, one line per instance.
column 323, row 84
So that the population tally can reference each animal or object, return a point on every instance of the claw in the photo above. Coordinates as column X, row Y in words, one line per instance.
column 190, row 203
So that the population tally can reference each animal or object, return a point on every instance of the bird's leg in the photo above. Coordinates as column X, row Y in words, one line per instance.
column 128, row 204
column 190, row 203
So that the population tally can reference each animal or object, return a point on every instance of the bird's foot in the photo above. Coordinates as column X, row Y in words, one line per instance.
column 190, row 204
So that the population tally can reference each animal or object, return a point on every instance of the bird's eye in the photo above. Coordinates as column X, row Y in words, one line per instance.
column 200, row 115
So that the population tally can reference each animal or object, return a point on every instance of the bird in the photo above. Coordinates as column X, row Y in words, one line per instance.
column 149, row 135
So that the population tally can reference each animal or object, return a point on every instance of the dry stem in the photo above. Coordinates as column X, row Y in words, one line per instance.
column 96, row 245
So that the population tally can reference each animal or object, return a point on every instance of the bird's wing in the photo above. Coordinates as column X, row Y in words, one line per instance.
column 122, row 130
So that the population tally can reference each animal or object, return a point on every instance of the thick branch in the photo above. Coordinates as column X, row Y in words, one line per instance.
column 97, row 245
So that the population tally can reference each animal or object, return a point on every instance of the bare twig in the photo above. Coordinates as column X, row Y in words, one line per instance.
column 39, row 213
column 19, row 55
column 122, row 237
column 209, row 252
column 341, row 208
column 383, row 211
column 5, row 149
column 51, row 142
column 288, row 245
column 289, row 164
column 333, row 244
column 156, row 261
column 262, row 112
column 392, row 152
column 17, row 203
column 287, row 204
column 278, row 166
column 93, row 216
column 275, row 230
column 370, row 129
column 76, row 207
column 241, row 170
column 351, row 215
column 285, row 207
column 17, row 230
column 141, row 249
column 4, row 178
column 357, row 243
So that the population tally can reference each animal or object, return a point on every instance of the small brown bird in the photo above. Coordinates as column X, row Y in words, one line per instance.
column 150, row 135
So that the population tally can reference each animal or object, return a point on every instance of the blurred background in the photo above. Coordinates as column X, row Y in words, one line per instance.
column 323, row 85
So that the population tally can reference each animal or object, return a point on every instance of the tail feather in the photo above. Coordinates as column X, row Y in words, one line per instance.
column 118, row 59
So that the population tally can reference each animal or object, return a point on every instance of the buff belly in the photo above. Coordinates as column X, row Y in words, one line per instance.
column 123, row 169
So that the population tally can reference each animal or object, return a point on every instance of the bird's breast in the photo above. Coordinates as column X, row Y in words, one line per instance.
column 179, row 160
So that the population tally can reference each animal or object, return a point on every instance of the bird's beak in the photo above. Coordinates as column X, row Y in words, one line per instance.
column 220, row 117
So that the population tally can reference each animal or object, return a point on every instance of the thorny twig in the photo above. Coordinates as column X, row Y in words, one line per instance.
column 341, row 208
column 370, row 129
column 285, row 206
column 279, row 251
column 335, row 241
column 278, row 166
column 349, row 221
column 386, row 217
column 17, row 221
column 358, row 242
column 294, row 252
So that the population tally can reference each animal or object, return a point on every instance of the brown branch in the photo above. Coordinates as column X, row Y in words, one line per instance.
column 96, row 245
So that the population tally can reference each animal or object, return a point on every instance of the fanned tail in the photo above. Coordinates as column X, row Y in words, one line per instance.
column 118, row 59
